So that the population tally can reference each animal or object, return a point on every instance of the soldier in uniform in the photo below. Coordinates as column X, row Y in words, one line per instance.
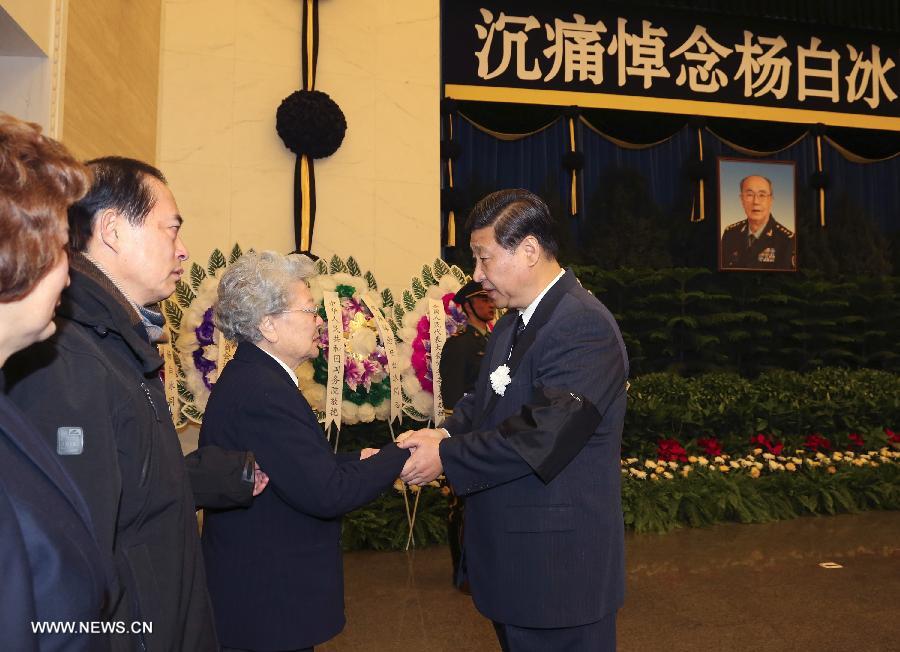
column 758, row 242
column 461, row 357
column 460, row 362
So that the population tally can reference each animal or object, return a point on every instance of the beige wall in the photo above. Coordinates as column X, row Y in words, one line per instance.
column 227, row 64
column 35, row 18
column 112, row 78
column 31, row 32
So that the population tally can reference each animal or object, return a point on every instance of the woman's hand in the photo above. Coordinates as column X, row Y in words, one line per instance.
column 260, row 480
column 366, row 453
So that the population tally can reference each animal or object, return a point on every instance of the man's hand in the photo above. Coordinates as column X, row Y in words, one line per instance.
column 260, row 480
column 366, row 453
column 403, row 436
column 424, row 464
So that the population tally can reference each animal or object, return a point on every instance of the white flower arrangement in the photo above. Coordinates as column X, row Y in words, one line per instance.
column 500, row 378
column 409, row 318
column 366, row 376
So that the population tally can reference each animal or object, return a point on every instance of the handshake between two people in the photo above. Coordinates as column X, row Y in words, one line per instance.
column 424, row 463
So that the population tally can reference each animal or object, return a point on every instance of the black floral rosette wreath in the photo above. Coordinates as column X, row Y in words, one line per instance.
column 312, row 126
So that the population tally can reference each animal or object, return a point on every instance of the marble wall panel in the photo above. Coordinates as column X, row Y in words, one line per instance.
column 377, row 197
column 112, row 78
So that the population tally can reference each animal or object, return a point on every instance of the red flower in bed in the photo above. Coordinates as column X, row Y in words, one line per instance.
column 817, row 443
column 710, row 445
column 767, row 443
column 670, row 450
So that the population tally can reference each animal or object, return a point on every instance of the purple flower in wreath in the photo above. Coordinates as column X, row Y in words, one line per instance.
column 206, row 329
column 204, row 366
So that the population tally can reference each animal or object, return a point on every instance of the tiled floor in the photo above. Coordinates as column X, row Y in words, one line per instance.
column 732, row 587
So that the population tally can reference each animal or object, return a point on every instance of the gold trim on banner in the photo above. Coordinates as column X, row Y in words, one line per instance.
column 451, row 229
column 310, row 68
column 499, row 135
column 574, row 207
column 821, row 190
column 304, row 211
column 622, row 143
column 856, row 158
column 753, row 152
column 666, row 105
column 451, row 222
column 702, row 193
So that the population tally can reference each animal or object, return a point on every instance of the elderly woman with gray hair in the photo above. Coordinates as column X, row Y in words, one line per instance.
column 275, row 570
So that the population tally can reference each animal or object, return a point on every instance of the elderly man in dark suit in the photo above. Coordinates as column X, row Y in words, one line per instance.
column 536, row 447
column 275, row 569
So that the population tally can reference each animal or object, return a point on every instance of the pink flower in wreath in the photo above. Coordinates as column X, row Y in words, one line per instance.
column 353, row 373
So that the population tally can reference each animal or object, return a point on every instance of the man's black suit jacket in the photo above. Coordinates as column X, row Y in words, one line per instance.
column 544, row 552
column 275, row 570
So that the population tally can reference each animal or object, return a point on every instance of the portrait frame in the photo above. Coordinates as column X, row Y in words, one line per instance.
column 775, row 250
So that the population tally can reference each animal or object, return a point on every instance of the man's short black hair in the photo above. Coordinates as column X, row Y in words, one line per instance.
column 119, row 184
column 515, row 214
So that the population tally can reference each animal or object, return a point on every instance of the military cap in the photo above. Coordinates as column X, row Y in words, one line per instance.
column 467, row 291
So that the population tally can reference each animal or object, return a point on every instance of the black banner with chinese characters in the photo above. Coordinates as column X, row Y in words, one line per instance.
column 590, row 55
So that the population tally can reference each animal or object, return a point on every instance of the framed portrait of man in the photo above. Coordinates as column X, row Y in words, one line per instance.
column 757, row 215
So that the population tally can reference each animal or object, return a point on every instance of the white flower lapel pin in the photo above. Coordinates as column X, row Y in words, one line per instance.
column 500, row 379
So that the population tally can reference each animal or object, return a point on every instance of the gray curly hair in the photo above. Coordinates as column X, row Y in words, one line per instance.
column 254, row 286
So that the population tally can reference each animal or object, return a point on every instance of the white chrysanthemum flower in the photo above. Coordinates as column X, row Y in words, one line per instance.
column 407, row 334
column 404, row 355
column 500, row 378
column 305, row 371
column 327, row 282
column 448, row 283
column 411, row 321
column 434, row 292
column 383, row 410
column 342, row 278
column 410, row 383
column 423, row 402
column 366, row 413
column 315, row 395
column 363, row 342
column 349, row 413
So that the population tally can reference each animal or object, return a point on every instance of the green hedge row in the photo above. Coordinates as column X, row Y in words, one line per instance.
column 692, row 320
column 832, row 402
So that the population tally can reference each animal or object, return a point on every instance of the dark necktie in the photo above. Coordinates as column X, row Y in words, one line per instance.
column 520, row 326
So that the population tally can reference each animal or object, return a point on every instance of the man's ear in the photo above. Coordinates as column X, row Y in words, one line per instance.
column 532, row 250
column 267, row 329
column 109, row 223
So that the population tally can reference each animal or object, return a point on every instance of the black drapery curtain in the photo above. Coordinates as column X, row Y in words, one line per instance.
column 502, row 146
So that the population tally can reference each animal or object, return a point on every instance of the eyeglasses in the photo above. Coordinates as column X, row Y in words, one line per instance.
column 308, row 311
column 762, row 194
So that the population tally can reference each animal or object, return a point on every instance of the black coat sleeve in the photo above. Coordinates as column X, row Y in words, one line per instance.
column 221, row 479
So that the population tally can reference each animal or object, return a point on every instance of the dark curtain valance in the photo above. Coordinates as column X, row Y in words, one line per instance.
column 638, row 128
